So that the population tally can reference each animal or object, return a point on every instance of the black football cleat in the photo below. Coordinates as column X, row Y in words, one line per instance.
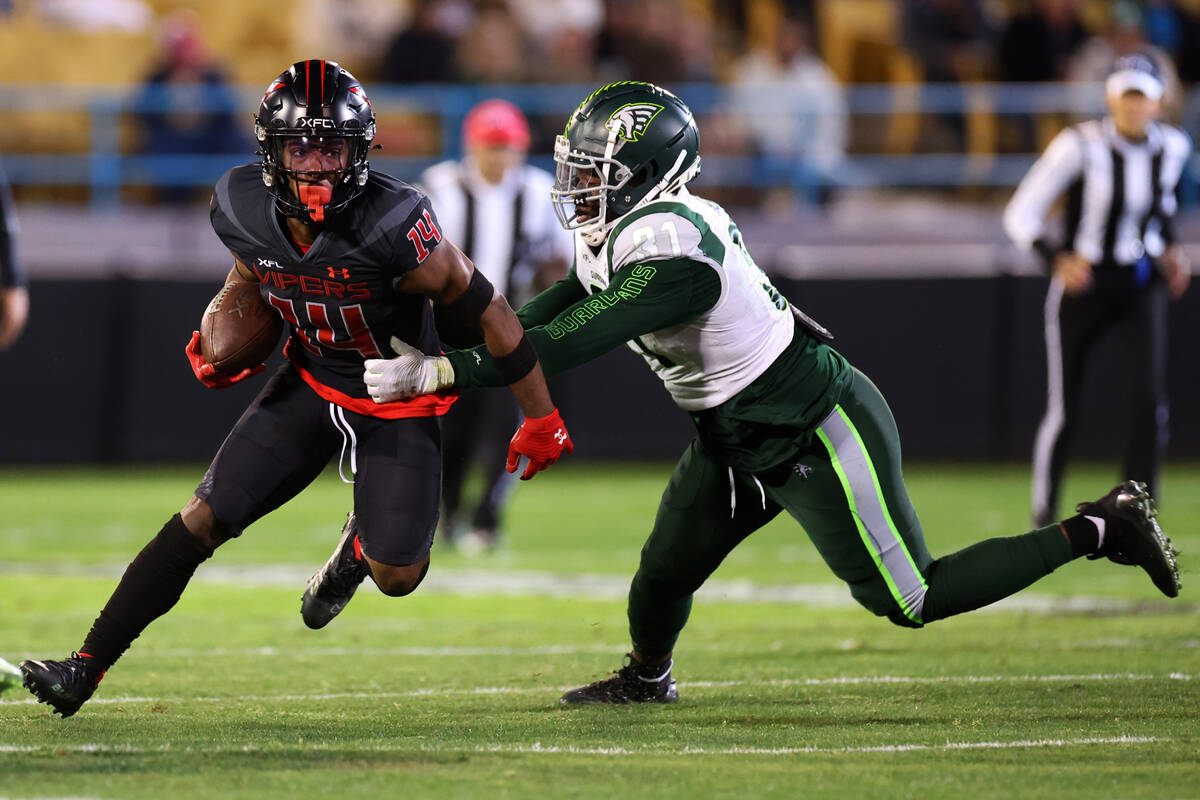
column 62, row 685
column 1132, row 535
column 331, row 588
column 633, row 683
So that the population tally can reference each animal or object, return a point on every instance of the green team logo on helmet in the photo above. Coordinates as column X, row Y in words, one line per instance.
column 631, row 120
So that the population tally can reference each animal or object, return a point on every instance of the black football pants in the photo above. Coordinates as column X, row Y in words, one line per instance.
column 287, row 437
column 1073, row 326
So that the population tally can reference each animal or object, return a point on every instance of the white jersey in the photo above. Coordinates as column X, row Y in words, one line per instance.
column 710, row 359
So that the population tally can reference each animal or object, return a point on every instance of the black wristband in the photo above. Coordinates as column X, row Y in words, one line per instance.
column 517, row 364
column 469, row 306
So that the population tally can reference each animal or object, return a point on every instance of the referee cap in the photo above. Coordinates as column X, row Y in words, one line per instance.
column 496, row 122
column 1135, row 73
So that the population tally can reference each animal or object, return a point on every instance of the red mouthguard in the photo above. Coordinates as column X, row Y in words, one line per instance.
column 316, row 197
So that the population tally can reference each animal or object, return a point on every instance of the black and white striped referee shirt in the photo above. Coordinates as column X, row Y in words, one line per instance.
column 506, row 229
column 1121, row 195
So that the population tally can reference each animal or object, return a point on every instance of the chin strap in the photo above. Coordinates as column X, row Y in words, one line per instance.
column 315, row 197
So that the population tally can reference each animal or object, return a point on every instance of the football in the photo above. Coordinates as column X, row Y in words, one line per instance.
column 238, row 329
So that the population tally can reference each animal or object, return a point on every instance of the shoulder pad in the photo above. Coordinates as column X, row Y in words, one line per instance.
column 662, row 230
column 236, row 208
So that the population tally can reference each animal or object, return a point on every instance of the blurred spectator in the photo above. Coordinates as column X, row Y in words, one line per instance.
column 423, row 51
column 494, row 49
column 566, row 40
column 14, row 296
column 1123, row 35
column 570, row 56
column 1036, row 46
column 1164, row 25
column 697, row 48
column 348, row 31
column 497, row 209
column 793, row 109
column 952, row 40
column 641, row 39
column 186, row 106
column 130, row 16
column 1188, row 61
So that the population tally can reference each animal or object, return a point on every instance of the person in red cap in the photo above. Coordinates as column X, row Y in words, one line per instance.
column 497, row 208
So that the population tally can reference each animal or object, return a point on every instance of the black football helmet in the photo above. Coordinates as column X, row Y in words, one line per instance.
column 315, row 103
column 626, row 144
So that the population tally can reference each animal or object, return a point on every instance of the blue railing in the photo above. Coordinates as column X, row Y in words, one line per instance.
column 104, row 168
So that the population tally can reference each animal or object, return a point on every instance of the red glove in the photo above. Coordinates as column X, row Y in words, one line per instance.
column 540, row 439
column 207, row 375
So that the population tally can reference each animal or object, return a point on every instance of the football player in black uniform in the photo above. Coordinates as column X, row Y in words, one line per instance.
column 350, row 259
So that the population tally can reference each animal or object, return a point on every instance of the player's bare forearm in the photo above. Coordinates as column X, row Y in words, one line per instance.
column 447, row 277
column 241, row 272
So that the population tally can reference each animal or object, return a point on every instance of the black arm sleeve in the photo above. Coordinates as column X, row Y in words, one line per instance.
column 643, row 298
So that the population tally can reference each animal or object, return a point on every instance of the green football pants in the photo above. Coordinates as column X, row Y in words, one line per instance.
column 847, row 491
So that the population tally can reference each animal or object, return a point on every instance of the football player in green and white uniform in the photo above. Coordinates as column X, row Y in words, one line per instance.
column 783, row 421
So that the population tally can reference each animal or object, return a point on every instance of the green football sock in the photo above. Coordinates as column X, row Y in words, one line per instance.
column 992, row 570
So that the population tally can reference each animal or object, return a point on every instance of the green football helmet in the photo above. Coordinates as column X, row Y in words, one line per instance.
column 625, row 145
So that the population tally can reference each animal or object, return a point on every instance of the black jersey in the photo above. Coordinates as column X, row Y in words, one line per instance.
column 340, row 297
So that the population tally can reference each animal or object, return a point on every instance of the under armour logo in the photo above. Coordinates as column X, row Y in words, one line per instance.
column 343, row 273
column 560, row 436
column 802, row 470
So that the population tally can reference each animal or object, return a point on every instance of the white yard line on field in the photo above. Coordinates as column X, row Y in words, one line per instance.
column 408, row 652
column 842, row 680
column 539, row 748
column 535, row 583
column 566, row 650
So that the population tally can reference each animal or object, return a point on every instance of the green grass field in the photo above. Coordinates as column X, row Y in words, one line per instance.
column 1086, row 685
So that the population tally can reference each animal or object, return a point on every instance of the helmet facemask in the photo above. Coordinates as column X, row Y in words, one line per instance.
column 587, row 187
column 332, row 170
column 582, row 186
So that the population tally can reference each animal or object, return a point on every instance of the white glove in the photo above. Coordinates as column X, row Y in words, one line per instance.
column 410, row 373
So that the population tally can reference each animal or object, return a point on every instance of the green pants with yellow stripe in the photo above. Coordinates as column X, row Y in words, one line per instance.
column 847, row 492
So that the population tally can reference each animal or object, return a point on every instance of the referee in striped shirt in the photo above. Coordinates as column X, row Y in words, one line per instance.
column 1113, row 270
column 497, row 208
